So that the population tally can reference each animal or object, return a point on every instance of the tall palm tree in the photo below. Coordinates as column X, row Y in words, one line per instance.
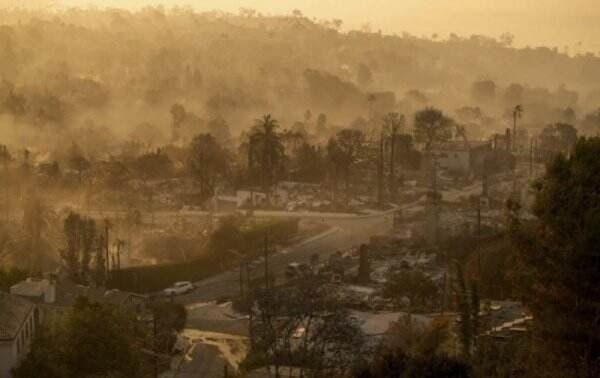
column 266, row 149
column 392, row 122
column 431, row 127
column 293, row 139
column 5, row 157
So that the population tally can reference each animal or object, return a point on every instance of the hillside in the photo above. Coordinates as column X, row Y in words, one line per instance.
column 117, row 71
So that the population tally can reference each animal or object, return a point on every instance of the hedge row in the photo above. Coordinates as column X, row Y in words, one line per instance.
column 157, row 277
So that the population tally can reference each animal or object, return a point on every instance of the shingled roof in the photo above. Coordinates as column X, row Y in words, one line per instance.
column 13, row 313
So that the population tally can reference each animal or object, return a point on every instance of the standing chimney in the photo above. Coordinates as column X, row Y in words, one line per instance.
column 50, row 292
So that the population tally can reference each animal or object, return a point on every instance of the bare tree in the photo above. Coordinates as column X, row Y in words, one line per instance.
column 304, row 324
column 392, row 122
column 343, row 151
column 432, row 126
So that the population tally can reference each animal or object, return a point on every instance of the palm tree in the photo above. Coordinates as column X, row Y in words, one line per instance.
column 392, row 122
column 5, row 157
column 431, row 127
column 293, row 138
column 266, row 149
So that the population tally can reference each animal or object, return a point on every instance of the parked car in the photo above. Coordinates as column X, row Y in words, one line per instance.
column 179, row 288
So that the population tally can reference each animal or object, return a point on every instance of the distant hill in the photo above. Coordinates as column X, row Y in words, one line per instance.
column 120, row 69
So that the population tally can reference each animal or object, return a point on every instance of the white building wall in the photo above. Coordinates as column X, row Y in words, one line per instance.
column 10, row 354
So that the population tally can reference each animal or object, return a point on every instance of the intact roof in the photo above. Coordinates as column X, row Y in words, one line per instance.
column 13, row 312
column 67, row 293
column 30, row 287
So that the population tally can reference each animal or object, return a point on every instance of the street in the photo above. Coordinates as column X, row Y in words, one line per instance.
column 219, row 335
column 348, row 232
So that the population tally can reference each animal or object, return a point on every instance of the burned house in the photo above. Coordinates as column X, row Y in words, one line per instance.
column 460, row 157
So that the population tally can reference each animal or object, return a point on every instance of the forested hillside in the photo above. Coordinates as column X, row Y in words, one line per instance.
column 99, row 72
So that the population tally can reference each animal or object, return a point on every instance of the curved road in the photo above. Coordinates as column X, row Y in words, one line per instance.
column 346, row 232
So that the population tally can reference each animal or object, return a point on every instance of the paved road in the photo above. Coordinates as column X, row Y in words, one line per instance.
column 218, row 318
column 204, row 361
column 347, row 232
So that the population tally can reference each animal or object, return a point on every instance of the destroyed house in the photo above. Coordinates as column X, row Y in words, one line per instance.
column 461, row 157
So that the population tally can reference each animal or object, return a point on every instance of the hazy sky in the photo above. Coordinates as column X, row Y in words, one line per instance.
column 534, row 22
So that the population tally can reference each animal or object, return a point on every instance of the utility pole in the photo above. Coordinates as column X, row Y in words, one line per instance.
column 266, row 251
column 479, row 238
column 5, row 156
column 154, row 344
column 392, row 160
column 432, row 207
column 444, row 295
column 392, row 121
column 152, row 205
column 485, row 184
column 531, row 158
column 250, row 311
column 434, row 171
column 119, row 244
column 516, row 114
column 106, row 247
column 380, row 172
column 241, row 280
column 514, row 132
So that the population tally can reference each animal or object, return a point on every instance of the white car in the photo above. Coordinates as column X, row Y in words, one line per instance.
column 179, row 288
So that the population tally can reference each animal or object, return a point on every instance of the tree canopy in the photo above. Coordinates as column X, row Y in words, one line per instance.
column 93, row 339
column 559, row 261
column 432, row 126
column 266, row 150
column 558, row 137
column 207, row 162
